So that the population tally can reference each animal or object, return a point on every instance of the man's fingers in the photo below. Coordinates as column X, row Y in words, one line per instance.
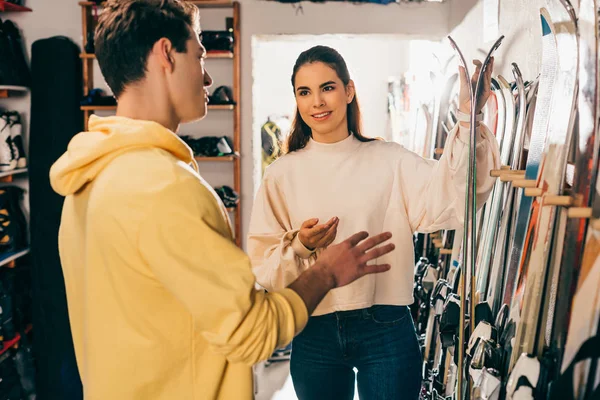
column 374, row 241
column 375, row 269
column 357, row 238
column 378, row 252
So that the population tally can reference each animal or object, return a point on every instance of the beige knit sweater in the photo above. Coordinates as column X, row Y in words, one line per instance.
column 375, row 186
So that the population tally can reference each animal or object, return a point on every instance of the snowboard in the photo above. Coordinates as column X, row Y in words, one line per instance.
column 55, row 119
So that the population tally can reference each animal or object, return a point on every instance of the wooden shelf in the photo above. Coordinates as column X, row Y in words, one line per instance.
column 217, row 159
column 9, row 344
column 223, row 107
column 212, row 3
column 198, row 3
column 13, row 172
column 210, row 54
column 7, row 258
column 98, row 108
column 219, row 54
column 5, row 6
column 5, row 90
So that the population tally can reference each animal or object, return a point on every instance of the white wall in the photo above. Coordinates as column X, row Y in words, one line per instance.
column 519, row 21
column 425, row 20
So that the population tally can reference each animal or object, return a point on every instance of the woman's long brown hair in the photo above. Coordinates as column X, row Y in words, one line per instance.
column 300, row 133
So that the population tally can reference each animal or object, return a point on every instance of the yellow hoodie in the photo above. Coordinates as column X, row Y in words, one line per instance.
column 161, row 302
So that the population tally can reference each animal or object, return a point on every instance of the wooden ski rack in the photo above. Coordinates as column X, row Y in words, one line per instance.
column 534, row 192
column 511, row 177
column 553, row 200
column 445, row 251
column 524, row 183
column 498, row 173
column 439, row 151
column 579, row 212
column 505, row 168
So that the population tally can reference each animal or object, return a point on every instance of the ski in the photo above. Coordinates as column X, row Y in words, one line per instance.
column 494, row 291
column 550, row 178
column 527, row 205
column 505, row 139
column 469, row 241
column 586, row 168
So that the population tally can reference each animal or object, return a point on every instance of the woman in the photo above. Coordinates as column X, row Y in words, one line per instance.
column 333, row 181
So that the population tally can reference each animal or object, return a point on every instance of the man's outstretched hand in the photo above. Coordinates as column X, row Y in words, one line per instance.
column 347, row 261
column 340, row 265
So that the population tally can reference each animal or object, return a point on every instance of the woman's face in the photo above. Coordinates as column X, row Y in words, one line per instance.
column 322, row 98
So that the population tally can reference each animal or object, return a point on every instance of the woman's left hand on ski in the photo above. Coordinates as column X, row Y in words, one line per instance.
column 484, row 90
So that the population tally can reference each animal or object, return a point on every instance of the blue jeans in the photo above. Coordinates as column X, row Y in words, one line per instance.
column 380, row 342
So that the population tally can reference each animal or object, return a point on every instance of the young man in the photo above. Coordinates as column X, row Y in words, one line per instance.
column 161, row 302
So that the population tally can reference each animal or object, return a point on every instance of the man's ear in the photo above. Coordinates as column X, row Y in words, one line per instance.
column 162, row 51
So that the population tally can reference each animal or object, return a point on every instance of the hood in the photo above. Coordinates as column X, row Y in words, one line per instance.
column 108, row 137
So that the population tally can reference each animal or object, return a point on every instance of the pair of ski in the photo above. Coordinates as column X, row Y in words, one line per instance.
column 437, row 273
column 467, row 279
column 444, row 313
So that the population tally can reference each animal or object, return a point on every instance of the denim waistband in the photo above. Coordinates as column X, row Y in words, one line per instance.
column 360, row 313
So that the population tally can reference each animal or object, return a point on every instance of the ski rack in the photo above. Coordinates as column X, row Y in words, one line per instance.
column 469, row 248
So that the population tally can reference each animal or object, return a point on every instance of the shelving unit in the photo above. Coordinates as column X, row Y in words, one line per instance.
column 113, row 108
column 210, row 54
column 9, row 259
column 235, row 57
column 7, row 90
column 7, row 176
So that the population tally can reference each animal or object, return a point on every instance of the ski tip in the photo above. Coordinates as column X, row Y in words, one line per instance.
column 545, row 26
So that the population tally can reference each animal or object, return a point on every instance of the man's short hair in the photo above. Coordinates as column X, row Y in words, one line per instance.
column 128, row 29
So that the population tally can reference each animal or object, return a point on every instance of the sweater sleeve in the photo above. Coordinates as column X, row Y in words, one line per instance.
column 187, row 247
column 278, row 257
column 434, row 191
